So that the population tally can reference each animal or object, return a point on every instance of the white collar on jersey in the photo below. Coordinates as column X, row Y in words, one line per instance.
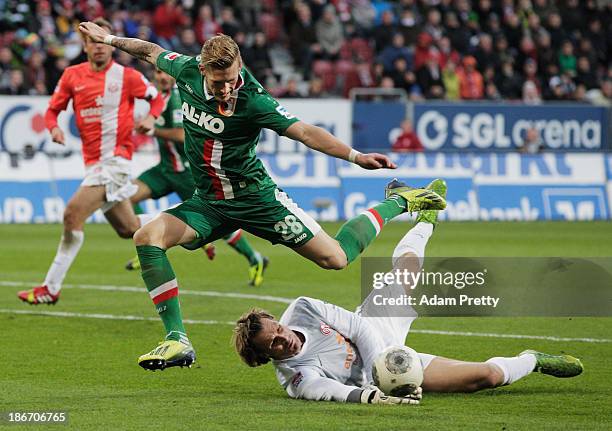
column 209, row 96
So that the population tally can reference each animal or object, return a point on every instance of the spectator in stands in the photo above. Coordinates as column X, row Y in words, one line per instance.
column 586, row 49
column 485, row 55
column 400, row 67
column 167, row 19
column 530, row 73
column 561, row 87
column 451, row 81
column 303, row 40
column 316, row 90
column 329, row 34
column 55, row 67
column 527, row 51
column 555, row 29
column 567, row 59
column 187, row 42
column 205, row 24
column 546, row 55
column 409, row 26
column 572, row 16
column 493, row 26
column 362, row 14
column 16, row 85
column 35, row 73
column 383, row 33
column 531, row 144
column 509, row 82
column 543, row 8
column 229, row 24
column 397, row 49
column 513, row 29
column 585, row 75
column 291, row 90
column 429, row 77
column 424, row 48
column 600, row 40
column 446, row 52
column 458, row 35
column 503, row 52
column 408, row 141
column 7, row 63
column 433, row 24
column 257, row 58
column 471, row 83
column 531, row 94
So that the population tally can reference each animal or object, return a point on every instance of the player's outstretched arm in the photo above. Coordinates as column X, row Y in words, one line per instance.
column 141, row 49
column 321, row 140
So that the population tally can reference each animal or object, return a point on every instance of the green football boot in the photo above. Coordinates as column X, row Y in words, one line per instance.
column 556, row 365
column 169, row 353
column 431, row 216
column 417, row 199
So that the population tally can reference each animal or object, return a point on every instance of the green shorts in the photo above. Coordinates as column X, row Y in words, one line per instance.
column 268, row 214
column 162, row 183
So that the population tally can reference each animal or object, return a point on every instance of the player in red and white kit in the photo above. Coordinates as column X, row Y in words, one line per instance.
column 103, row 94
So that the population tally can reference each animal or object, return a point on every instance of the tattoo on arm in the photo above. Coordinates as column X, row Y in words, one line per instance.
column 140, row 49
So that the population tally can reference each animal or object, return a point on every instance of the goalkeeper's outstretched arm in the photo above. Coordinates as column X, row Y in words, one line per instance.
column 140, row 49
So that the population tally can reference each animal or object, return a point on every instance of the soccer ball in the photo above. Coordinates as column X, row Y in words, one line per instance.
column 397, row 371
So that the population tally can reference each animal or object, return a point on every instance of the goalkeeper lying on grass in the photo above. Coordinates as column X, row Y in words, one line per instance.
column 324, row 352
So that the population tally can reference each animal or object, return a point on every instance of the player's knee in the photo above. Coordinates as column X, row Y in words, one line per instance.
column 143, row 236
column 126, row 232
column 71, row 219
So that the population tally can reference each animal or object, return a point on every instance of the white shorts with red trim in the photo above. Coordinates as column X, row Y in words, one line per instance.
column 114, row 174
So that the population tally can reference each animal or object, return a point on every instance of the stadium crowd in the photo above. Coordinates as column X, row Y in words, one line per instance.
column 529, row 50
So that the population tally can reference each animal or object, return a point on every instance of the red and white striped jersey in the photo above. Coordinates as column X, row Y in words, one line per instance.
column 104, row 107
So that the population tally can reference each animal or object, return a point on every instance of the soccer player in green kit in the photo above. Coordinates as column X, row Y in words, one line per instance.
column 224, row 110
column 172, row 174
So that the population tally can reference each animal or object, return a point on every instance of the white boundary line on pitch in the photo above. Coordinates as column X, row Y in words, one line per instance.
column 143, row 290
column 248, row 296
column 219, row 322
column 106, row 316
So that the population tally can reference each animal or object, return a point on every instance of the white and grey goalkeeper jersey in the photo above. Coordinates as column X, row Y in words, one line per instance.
column 336, row 355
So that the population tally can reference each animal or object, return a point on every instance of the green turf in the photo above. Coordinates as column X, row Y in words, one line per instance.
column 88, row 366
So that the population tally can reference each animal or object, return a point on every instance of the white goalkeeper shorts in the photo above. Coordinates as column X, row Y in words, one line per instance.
column 114, row 175
column 391, row 323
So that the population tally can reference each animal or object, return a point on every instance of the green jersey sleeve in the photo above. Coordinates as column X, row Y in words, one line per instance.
column 175, row 109
column 172, row 63
column 267, row 113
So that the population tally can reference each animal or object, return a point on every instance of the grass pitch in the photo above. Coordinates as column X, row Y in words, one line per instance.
column 87, row 366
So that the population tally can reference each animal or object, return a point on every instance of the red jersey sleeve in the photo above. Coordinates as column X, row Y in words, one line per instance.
column 141, row 88
column 59, row 100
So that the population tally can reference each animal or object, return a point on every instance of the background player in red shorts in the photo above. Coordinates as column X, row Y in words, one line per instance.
column 103, row 94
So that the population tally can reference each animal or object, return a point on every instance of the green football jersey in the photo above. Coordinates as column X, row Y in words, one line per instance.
column 172, row 154
column 221, row 148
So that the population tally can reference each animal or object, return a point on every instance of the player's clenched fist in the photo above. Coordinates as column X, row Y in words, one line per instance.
column 94, row 31
column 372, row 395
column 58, row 136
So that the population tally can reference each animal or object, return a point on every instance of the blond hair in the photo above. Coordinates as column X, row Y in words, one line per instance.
column 247, row 328
column 219, row 52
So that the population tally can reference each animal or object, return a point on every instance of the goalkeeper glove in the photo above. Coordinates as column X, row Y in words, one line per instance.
column 372, row 395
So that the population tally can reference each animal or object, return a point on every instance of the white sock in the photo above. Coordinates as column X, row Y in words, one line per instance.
column 515, row 368
column 66, row 252
column 145, row 218
column 414, row 242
